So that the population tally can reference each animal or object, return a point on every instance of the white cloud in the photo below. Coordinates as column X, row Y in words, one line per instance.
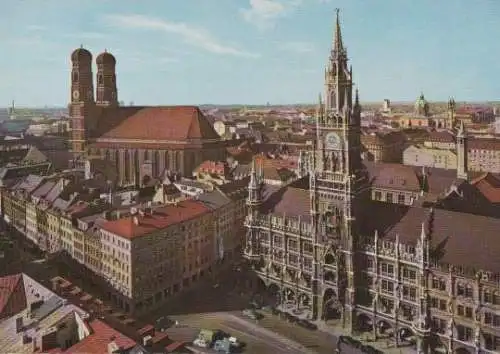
column 192, row 35
column 297, row 47
column 264, row 13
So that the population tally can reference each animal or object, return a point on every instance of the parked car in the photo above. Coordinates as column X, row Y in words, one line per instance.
column 163, row 323
column 200, row 342
column 219, row 334
column 255, row 304
column 252, row 314
column 222, row 346
column 307, row 324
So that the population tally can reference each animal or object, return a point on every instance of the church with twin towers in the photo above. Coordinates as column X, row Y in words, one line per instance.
column 323, row 249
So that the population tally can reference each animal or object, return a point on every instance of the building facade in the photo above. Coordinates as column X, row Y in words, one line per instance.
column 140, row 141
column 324, row 251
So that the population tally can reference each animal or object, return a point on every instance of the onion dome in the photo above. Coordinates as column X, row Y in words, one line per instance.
column 106, row 58
column 81, row 54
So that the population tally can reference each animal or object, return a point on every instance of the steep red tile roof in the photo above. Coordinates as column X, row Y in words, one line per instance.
column 484, row 144
column 12, row 287
column 218, row 167
column 172, row 123
column 395, row 176
column 161, row 218
column 489, row 186
column 441, row 137
column 97, row 342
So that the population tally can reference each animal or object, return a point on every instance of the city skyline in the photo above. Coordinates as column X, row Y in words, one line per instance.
column 251, row 52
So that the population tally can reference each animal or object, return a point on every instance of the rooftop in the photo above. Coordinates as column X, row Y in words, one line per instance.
column 160, row 218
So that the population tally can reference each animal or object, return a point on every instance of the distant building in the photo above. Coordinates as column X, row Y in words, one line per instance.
column 386, row 107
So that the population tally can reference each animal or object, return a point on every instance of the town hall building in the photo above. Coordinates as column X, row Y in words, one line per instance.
column 414, row 273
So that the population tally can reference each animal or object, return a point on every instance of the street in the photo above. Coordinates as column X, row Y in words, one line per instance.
column 205, row 306
column 256, row 338
column 220, row 306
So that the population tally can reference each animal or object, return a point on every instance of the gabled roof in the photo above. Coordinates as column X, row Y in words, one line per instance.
column 9, row 288
column 167, row 123
column 489, row 186
column 462, row 239
column 101, row 336
column 34, row 156
column 292, row 200
column 393, row 176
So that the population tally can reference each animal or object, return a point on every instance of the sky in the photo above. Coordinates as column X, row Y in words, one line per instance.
column 173, row 52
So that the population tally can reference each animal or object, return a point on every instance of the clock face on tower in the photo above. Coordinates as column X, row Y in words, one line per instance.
column 76, row 94
column 332, row 141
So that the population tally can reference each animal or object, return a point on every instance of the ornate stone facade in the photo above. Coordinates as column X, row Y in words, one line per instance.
column 321, row 250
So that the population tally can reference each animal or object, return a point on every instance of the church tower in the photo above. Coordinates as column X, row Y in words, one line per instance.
column 107, row 94
column 338, row 182
column 82, row 99
column 462, row 168
column 451, row 123
column 254, row 203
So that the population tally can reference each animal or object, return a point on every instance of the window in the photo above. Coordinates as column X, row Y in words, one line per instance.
column 293, row 258
column 442, row 305
column 468, row 312
column 308, row 248
column 370, row 264
column 460, row 289
column 460, row 310
column 75, row 76
column 401, row 199
column 99, row 79
column 464, row 333
column 388, row 197
column 434, row 303
column 409, row 274
column 387, row 269
column 488, row 318
column 439, row 325
column 410, row 293
column 491, row 342
column 468, row 291
column 378, row 195
column 387, row 286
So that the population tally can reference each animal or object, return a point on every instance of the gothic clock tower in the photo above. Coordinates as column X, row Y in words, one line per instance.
column 338, row 182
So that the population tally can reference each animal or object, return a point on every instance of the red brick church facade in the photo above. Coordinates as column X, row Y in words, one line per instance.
column 140, row 141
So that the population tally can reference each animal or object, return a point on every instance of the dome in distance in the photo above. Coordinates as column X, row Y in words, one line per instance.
column 81, row 54
column 106, row 58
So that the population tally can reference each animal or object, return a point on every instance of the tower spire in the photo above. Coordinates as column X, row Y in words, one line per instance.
column 338, row 46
